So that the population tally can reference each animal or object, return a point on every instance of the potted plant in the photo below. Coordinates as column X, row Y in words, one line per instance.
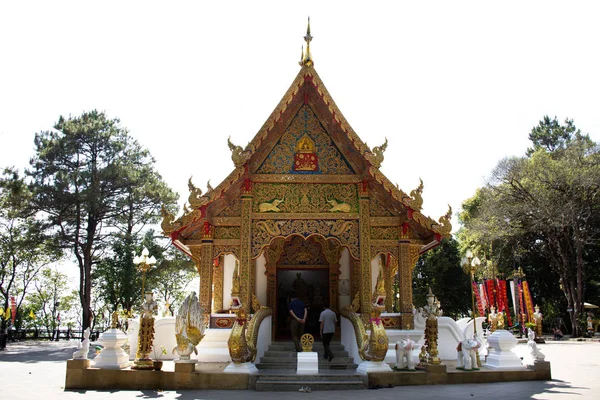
column 157, row 355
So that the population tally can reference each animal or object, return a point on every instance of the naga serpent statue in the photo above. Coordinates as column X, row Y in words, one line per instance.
column 189, row 327
column 371, row 347
column 244, row 334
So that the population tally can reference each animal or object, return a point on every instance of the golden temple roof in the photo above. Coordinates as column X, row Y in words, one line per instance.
column 306, row 88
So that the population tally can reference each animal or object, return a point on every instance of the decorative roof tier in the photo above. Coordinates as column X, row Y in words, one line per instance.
column 306, row 108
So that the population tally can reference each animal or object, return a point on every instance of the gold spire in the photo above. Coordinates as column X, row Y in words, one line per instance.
column 306, row 58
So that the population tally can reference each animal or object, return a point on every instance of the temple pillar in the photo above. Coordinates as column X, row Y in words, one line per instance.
column 408, row 255
column 365, row 248
column 218, row 284
column 388, row 281
column 202, row 255
column 246, row 271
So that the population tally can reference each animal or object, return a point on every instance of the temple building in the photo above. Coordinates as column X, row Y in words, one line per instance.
column 306, row 209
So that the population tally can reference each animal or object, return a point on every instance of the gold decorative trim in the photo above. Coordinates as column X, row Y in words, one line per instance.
column 384, row 243
column 220, row 250
column 282, row 178
column 385, row 221
column 281, row 216
column 224, row 242
column 218, row 285
column 227, row 221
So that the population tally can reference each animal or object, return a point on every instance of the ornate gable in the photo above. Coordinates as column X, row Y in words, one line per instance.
column 305, row 156
column 305, row 148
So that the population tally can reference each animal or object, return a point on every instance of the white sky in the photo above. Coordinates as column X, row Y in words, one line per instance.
column 454, row 86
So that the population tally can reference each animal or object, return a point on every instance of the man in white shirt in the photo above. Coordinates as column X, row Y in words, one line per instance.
column 327, row 320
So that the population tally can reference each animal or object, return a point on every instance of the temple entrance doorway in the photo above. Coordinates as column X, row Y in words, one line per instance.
column 312, row 287
column 309, row 266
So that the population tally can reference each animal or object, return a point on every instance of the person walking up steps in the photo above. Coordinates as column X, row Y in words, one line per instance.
column 298, row 312
column 327, row 320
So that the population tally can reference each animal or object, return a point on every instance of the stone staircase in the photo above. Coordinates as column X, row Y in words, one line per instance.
column 277, row 370
column 282, row 356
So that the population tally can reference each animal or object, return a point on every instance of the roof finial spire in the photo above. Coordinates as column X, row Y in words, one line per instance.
column 306, row 58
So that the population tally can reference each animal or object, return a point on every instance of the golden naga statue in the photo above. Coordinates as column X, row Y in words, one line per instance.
column 189, row 327
column 375, row 156
column 260, row 313
column 415, row 201
column 196, row 198
column 244, row 334
column 237, row 343
column 239, row 156
column 168, row 223
column 371, row 347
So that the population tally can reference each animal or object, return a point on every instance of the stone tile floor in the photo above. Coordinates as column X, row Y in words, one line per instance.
column 32, row 370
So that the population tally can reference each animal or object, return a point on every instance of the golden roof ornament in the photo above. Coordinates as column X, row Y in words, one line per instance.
column 375, row 156
column 168, row 223
column 445, row 227
column 196, row 199
column 239, row 156
column 416, row 200
column 306, row 58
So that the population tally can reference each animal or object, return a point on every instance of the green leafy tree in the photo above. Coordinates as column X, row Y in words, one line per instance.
column 25, row 246
column 118, row 281
column 546, row 207
column 92, row 179
column 173, row 272
column 439, row 269
column 51, row 298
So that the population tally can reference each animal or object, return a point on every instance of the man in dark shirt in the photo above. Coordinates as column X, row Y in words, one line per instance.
column 298, row 311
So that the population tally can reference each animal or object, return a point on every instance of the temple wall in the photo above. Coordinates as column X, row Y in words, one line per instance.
column 228, row 267
column 344, row 300
column 261, row 279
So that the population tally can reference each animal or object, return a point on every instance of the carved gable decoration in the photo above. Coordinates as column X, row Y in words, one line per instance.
column 233, row 210
column 300, row 251
column 305, row 148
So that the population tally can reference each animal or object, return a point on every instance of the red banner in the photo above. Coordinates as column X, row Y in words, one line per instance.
column 478, row 299
column 13, row 306
column 491, row 293
column 503, row 298
column 522, row 312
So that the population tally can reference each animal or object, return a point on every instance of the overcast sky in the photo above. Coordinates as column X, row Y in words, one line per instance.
column 454, row 85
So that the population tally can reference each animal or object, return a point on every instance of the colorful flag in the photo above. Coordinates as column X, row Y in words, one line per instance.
column 491, row 292
column 31, row 314
column 528, row 301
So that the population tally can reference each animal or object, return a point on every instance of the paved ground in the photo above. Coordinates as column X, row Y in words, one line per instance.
column 34, row 370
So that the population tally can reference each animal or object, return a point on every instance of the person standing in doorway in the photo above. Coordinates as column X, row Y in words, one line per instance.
column 328, row 320
column 298, row 311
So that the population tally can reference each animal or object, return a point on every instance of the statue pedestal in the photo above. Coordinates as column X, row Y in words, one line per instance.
column 436, row 369
column 185, row 367
column 112, row 356
column 242, row 368
column 373, row 366
column 501, row 356
column 308, row 363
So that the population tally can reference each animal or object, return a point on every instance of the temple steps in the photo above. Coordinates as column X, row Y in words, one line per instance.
column 282, row 381
column 282, row 356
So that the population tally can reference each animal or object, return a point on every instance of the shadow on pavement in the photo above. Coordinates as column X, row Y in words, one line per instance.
column 32, row 352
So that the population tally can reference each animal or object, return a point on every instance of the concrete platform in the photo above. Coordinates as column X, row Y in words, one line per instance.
column 210, row 376
column 204, row 377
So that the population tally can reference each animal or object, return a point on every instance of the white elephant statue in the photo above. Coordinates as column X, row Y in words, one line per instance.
column 466, row 354
column 404, row 354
